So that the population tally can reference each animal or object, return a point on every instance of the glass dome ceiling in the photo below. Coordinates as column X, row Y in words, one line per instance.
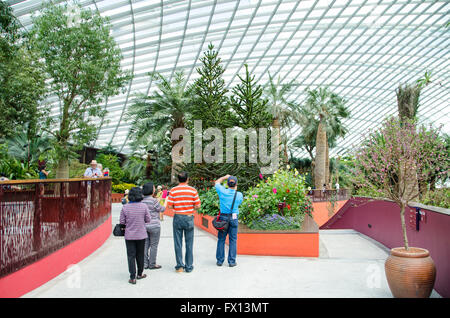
column 361, row 49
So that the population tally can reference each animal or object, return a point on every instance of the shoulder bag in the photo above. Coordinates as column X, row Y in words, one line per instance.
column 222, row 225
column 119, row 230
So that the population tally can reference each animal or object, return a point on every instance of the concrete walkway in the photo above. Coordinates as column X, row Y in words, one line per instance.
column 350, row 265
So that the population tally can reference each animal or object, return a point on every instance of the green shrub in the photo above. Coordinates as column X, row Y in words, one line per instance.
column 111, row 162
column 369, row 192
column 120, row 188
column 438, row 197
column 210, row 201
column 14, row 169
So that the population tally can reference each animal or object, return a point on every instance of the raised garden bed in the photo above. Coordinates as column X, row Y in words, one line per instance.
column 300, row 243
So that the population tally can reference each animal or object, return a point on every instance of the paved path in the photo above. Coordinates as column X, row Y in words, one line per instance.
column 350, row 265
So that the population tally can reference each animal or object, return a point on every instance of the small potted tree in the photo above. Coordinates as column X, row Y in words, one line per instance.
column 391, row 161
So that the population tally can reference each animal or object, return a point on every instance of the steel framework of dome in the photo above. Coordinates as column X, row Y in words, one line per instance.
column 361, row 49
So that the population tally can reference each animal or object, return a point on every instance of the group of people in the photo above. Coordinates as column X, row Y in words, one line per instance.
column 96, row 170
column 142, row 214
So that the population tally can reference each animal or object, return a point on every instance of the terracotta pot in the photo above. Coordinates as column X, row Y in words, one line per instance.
column 410, row 273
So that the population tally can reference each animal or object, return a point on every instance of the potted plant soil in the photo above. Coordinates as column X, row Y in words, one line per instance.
column 394, row 160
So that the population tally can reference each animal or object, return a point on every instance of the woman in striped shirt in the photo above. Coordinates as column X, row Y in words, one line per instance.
column 153, row 227
column 134, row 215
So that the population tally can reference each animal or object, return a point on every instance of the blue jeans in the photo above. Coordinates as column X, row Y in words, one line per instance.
column 183, row 224
column 232, row 240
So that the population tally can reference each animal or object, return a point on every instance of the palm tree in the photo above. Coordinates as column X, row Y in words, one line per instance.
column 154, row 117
column 279, row 107
column 27, row 149
column 324, row 109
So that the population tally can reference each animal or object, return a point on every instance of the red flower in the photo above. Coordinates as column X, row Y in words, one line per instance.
column 289, row 206
column 287, row 191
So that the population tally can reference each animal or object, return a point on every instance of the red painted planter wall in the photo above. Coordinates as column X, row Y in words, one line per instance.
column 385, row 227
column 28, row 278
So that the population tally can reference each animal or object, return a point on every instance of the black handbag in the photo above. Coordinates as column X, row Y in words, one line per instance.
column 119, row 230
column 221, row 225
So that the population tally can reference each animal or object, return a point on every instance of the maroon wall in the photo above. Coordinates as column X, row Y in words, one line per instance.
column 380, row 220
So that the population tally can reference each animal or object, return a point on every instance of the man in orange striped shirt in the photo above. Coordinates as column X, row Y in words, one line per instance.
column 184, row 200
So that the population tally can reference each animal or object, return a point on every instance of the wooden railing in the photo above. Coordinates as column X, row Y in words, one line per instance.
column 329, row 195
column 38, row 217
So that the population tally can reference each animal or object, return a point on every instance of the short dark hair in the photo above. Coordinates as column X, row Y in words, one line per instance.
column 135, row 195
column 183, row 176
column 147, row 189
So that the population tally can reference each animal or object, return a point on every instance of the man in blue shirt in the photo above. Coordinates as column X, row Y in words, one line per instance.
column 93, row 171
column 226, row 197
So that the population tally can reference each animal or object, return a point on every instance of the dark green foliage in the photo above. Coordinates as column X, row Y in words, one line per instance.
column 204, row 175
column 154, row 117
column 22, row 80
column 438, row 197
column 210, row 104
column 9, row 30
column 13, row 168
column 250, row 108
column 210, row 201
column 111, row 162
column 28, row 150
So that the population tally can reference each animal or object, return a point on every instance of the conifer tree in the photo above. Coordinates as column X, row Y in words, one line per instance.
column 248, row 104
column 211, row 103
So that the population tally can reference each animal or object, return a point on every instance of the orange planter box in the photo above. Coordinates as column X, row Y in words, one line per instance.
column 301, row 243
column 116, row 197
column 279, row 244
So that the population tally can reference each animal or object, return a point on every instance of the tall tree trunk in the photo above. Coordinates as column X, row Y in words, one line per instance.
column 327, row 164
column 319, row 170
column 62, row 171
column 148, row 168
column 178, row 123
column 276, row 126
column 408, row 104
column 286, row 156
column 408, row 184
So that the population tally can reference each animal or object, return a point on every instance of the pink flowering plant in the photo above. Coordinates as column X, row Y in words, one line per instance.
column 396, row 158
column 261, row 203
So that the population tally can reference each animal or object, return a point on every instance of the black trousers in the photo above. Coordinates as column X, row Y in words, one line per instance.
column 135, row 254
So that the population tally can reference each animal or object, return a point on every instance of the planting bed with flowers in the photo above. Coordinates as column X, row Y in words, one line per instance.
column 278, row 202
